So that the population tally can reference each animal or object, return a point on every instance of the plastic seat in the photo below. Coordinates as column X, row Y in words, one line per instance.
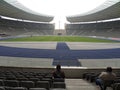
column 59, row 85
column 58, row 80
column 34, row 79
column 43, row 84
column 27, row 84
column 1, row 82
column 2, row 88
column 22, row 79
column 19, row 88
column 107, row 83
column 40, row 77
column 47, row 79
column 116, row 86
column 37, row 89
column 19, row 76
column 3, row 78
column 16, row 88
column 10, row 77
column 11, row 83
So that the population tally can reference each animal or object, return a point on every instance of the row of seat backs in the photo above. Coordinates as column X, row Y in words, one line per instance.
column 30, row 84
column 20, row 88
column 115, row 84
column 14, row 75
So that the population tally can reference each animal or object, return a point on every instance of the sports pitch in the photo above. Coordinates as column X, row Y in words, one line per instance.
column 59, row 39
column 47, row 51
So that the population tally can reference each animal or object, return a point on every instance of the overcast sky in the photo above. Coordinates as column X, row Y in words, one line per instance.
column 61, row 8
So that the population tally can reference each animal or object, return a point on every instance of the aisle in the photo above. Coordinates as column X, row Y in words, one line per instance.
column 80, row 84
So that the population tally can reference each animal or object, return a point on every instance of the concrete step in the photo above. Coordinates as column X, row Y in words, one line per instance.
column 80, row 84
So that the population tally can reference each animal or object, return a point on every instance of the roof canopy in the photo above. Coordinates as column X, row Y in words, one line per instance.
column 13, row 9
column 109, row 10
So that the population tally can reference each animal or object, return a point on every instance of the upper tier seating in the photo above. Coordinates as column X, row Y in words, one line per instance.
column 105, row 29
column 12, row 28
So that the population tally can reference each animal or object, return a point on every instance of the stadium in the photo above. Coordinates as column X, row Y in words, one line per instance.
column 31, row 47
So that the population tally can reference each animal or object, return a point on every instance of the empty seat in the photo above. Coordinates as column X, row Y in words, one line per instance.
column 27, row 84
column 43, row 84
column 8, row 88
column 107, row 83
column 10, row 77
column 117, row 80
column 40, row 77
column 3, row 78
column 2, row 88
column 116, row 86
column 37, row 89
column 19, row 76
column 34, row 79
column 11, row 83
column 19, row 88
column 1, row 83
column 49, row 76
column 59, row 85
column 47, row 79
column 58, row 80
column 15, row 88
column 22, row 79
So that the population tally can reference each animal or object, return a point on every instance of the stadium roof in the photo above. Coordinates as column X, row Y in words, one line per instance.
column 108, row 10
column 13, row 9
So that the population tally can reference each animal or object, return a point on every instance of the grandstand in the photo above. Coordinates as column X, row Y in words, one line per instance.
column 15, row 28
column 98, row 29
column 29, row 65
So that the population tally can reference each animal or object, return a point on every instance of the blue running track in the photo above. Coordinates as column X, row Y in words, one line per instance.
column 62, row 55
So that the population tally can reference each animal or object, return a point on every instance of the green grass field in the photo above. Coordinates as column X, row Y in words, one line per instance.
column 59, row 39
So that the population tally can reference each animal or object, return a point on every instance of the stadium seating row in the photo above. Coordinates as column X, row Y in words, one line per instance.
column 105, row 29
column 91, row 77
column 29, row 81
column 14, row 27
